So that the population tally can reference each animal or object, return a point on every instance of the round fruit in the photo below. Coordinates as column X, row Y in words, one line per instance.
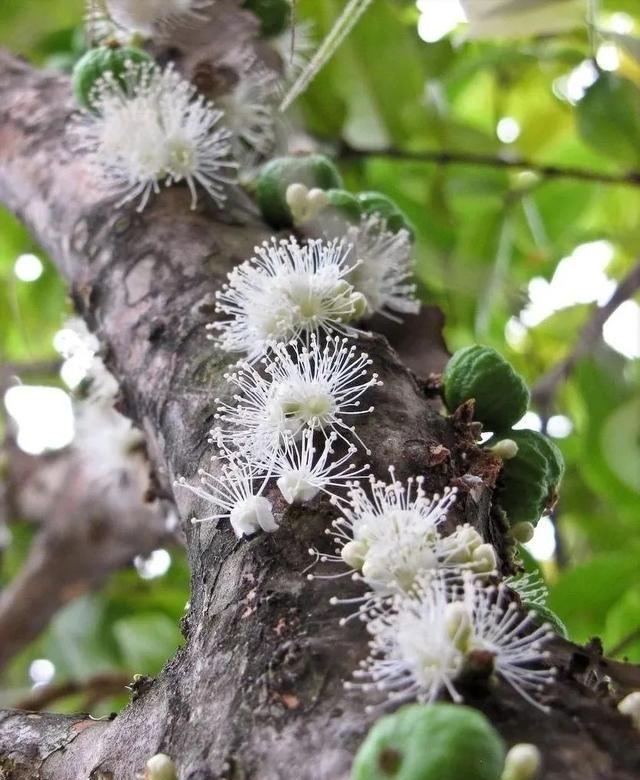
column 500, row 394
column 97, row 62
column 382, row 206
column 528, row 484
column 312, row 170
column 274, row 15
column 431, row 742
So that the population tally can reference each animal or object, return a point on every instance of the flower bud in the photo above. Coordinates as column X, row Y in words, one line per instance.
column 523, row 762
column 317, row 200
column 296, row 197
column 360, row 306
column 505, row 449
column 630, row 706
column 484, row 559
column 354, row 554
column 160, row 767
column 458, row 624
column 251, row 515
column 296, row 489
column 523, row 532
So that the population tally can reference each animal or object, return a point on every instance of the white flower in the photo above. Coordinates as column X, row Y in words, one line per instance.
column 423, row 640
column 285, row 290
column 413, row 650
column 147, row 16
column 511, row 637
column 157, row 130
column 299, row 388
column 302, row 471
column 249, row 109
column 385, row 268
column 236, row 495
column 390, row 534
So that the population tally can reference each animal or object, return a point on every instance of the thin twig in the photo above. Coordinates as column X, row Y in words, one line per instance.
column 101, row 686
column 625, row 642
column 545, row 389
column 629, row 178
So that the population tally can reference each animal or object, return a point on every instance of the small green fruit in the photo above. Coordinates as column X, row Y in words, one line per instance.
column 431, row 742
column 501, row 395
column 274, row 15
column 344, row 205
column 382, row 206
column 528, row 484
column 315, row 171
column 97, row 62
column 342, row 209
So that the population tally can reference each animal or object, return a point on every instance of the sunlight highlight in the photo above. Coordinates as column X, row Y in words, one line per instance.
column 43, row 416
column 28, row 268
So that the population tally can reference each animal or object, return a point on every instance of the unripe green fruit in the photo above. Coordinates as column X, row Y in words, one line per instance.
column 93, row 65
column 274, row 15
column 528, row 484
column 315, row 171
column 382, row 206
column 344, row 205
column 500, row 394
column 431, row 742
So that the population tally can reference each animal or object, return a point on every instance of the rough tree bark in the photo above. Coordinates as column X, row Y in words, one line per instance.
column 256, row 690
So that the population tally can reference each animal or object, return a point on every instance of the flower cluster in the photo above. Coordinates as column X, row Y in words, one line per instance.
column 429, row 607
column 450, row 625
column 384, row 259
column 286, row 423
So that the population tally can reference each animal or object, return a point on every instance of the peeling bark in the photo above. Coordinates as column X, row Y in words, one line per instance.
column 256, row 690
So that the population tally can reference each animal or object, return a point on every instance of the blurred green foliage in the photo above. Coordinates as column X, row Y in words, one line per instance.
column 483, row 234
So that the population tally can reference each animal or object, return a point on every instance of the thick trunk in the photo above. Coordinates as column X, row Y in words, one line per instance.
column 256, row 691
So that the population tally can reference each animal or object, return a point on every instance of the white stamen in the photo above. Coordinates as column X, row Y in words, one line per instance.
column 298, row 388
column 156, row 130
column 286, row 290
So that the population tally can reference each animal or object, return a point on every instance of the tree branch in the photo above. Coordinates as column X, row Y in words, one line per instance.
column 631, row 638
column 89, row 531
column 446, row 157
column 257, row 690
column 96, row 688
column 545, row 389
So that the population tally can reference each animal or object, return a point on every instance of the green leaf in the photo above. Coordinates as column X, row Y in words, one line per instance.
column 620, row 438
column 583, row 596
column 146, row 641
column 609, row 118
column 623, row 619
